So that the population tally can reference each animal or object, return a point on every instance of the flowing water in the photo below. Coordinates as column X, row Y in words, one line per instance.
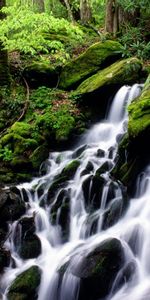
column 75, row 218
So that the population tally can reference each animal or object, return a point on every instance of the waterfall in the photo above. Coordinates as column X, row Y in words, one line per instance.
column 72, row 211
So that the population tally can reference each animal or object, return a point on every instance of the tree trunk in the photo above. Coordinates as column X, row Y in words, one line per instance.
column 70, row 15
column 4, row 72
column 85, row 11
column 39, row 5
column 117, row 17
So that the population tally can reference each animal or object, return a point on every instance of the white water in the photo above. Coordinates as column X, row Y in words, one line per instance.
column 86, row 215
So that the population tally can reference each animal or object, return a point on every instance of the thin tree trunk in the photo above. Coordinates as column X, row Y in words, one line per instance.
column 70, row 15
column 4, row 71
column 39, row 5
column 109, row 18
column 85, row 11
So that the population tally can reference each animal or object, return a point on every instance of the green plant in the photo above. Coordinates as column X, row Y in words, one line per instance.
column 24, row 30
column 6, row 154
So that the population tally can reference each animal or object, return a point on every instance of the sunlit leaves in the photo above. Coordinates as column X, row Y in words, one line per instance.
column 24, row 30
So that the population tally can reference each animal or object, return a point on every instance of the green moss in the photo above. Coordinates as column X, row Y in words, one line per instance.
column 71, row 168
column 25, row 284
column 41, row 73
column 139, row 112
column 39, row 155
column 89, row 63
column 122, row 72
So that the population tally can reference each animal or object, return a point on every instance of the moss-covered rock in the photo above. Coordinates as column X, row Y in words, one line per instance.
column 122, row 72
column 134, row 148
column 94, row 58
column 27, row 243
column 61, row 179
column 25, row 285
column 12, row 206
column 39, row 155
column 139, row 113
column 41, row 74
column 97, row 270
column 4, row 259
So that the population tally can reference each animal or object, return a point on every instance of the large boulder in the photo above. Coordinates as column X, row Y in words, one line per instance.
column 28, row 244
column 40, row 74
column 88, row 63
column 12, row 206
column 134, row 149
column 122, row 72
column 26, row 284
column 97, row 270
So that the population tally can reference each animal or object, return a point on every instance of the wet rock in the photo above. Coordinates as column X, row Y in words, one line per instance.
column 12, row 206
column 88, row 63
column 113, row 214
column 98, row 270
column 112, row 189
column 70, row 169
column 40, row 74
column 25, row 195
column 4, row 258
column 60, row 213
column 30, row 247
column 25, row 286
column 126, row 274
column 60, row 180
column 86, row 185
column 122, row 72
column 79, row 151
column 105, row 167
column 100, row 153
column 27, row 243
column 97, row 186
column 89, row 168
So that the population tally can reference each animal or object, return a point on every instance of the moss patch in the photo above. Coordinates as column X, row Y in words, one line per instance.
column 122, row 72
column 94, row 58
column 139, row 112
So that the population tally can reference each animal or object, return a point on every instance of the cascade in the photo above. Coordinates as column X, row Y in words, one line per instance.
column 77, row 207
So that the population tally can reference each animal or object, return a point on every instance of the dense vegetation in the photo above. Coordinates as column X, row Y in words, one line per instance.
column 42, row 43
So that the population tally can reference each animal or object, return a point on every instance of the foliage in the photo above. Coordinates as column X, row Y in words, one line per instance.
column 6, row 154
column 24, row 30
column 134, row 43
column 11, row 104
column 132, row 5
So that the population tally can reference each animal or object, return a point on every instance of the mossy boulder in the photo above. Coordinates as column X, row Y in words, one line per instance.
column 41, row 74
column 125, row 71
column 139, row 113
column 4, row 258
column 27, row 243
column 97, row 270
column 25, row 286
column 134, row 148
column 60, row 180
column 12, row 206
column 88, row 63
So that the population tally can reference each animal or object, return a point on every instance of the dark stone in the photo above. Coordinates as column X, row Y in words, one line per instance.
column 28, row 244
column 30, row 247
column 79, row 151
column 89, row 168
column 86, row 188
column 125, row 274
column 97, row 186
column 112, row 215
column 100, row 153
column 98, row 270
column 12, row 206
column 4, row 259
column 25, row 286
column 105, row 167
